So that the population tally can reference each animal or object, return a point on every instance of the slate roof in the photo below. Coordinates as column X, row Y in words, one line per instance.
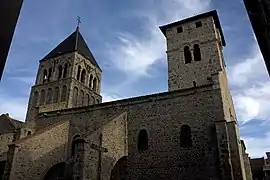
column 213, row 13
column 74, row 42
column 8, row 124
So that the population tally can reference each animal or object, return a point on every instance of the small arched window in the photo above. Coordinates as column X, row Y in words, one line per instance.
column 42, row 97
column 83, row 76
column 50, row 74
column 45, row 76
column 49, row 96
column 64, row 93
column 73, row 146
column 197, row 52
column 185, row 136
column 56, row 95
column 187, row 55
column 95, row 84
column 142, row 140
column 92, row 100
column 79, row 73
column 35, row 99
column 60, row 71
column 75, row 96
column 65, row 70
column 91, row 81
column 81, row 98
column 88, row 99
column 97, row 101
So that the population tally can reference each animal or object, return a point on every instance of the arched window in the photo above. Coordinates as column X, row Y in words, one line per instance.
column 50, row 74
column 187, row 55
column 95, row 84
column 49, row 96
column 64, row 93
column 91, row 81
column 83, row 76
column 197, row 52
column 75, row 96
column 42, row 97
column 97, row 101
column 79, row 73
column 35, row 99
column 81, row 98
column 73, row 145
column 45, row 76
column 88, row 99
column 65, row 70
column 185, row 136
column 56, row 95
column 60, row 71
column 142, row 140
column 92, row 100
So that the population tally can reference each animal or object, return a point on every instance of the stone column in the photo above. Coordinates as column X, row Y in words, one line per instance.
column 225, row 165
column 78, row 158
column 10, row 155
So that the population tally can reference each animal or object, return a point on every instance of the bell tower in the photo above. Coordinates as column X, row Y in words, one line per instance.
column 67, row 77
column 194, row 50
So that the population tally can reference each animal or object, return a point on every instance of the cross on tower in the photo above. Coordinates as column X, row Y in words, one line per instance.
column 79, row 21
column 100, row 150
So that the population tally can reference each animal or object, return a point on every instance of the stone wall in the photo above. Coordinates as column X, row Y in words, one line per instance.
column 162, row 115
column 5, row 140
column 35, row 154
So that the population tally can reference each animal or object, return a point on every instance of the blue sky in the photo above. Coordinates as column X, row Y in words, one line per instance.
column 125, row 39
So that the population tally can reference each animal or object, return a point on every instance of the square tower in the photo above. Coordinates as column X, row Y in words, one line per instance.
column 194, row 50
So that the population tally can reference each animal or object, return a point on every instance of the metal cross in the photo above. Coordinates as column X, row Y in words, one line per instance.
column 100, row 150
column 79, row 21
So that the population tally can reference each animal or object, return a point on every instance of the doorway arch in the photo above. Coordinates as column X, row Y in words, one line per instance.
column 56, row 172
column 120, row 169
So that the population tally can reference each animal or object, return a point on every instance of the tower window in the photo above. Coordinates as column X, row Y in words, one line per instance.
column 45, row 76
column 142, row 140
column 79, row 73
column 29, row 133
column 49, row 96
column 198, row 24
column 88, row 99
column 60, row 71
column 187, row 55
column 185, row 136
column 65, row 71
column 197, row 52
column 64, row 93
column 42, row 97
column 179, row 29
column 95, row 84
column 35, row 99
column 83, row 76
column 50, row 74
column 91, row 81
column 81, row 98
column 75, row 96
column 56, row 95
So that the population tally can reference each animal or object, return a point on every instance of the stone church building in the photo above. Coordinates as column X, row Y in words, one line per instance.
column 189, row 132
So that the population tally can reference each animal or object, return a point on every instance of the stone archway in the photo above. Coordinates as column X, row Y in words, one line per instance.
column 56, row 172
column 120, row 169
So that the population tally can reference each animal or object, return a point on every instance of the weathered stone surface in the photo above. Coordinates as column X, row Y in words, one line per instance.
column 69, row 130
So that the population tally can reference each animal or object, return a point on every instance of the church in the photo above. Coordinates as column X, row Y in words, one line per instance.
column 189, row 132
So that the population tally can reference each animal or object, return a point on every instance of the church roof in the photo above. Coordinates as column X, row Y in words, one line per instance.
column 8, row 124
column 74, row 42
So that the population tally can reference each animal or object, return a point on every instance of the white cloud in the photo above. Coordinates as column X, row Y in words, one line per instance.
column 14, row 106
column 250, row 69
column 110, row 97
column 257, row 147
column 135, row 55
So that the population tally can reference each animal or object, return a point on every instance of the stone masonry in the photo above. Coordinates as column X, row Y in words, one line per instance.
column 187, row 133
